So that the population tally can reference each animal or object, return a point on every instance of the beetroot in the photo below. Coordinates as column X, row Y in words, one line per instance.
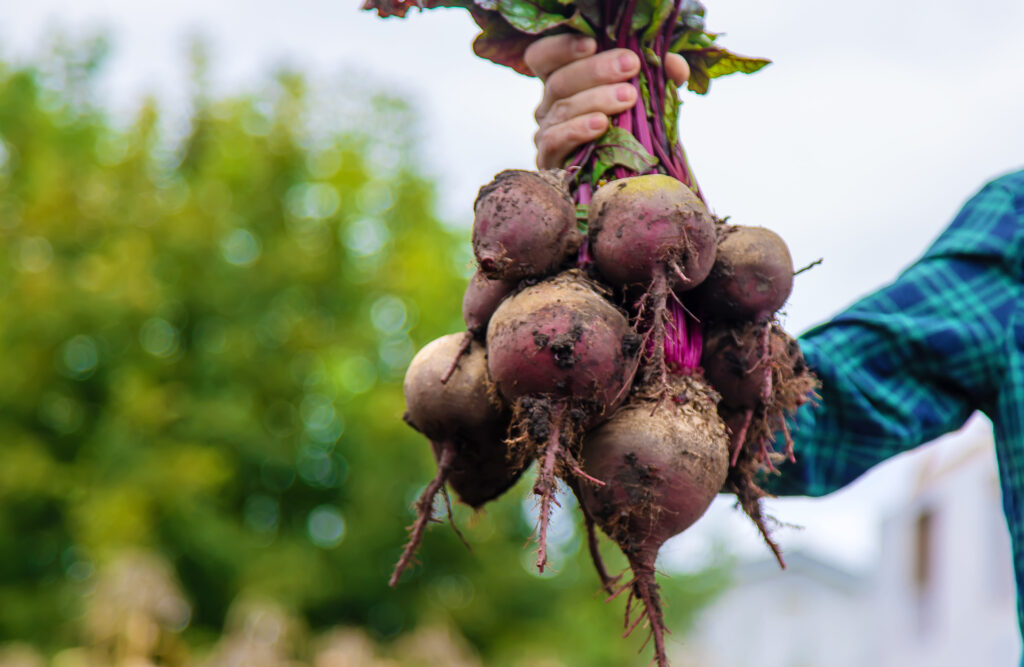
column 660, row 472
column 524, row 225
column 564, row 355
column 644, row 225
column 466, row 425
column 481, row 299
column 561, row 339
column 653, row 231
column 735, row 365
column 760, row 372
column 752, row 276
column 479, row 302
column 763, row 379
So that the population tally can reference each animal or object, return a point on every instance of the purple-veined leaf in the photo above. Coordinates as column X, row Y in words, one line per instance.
column 499, row 42
column 619, row 147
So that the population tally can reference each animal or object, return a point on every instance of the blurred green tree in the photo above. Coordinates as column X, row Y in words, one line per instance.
column 204, row 322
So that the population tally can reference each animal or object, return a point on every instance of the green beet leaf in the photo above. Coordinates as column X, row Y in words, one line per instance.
column 692, row 40
column 713, row 62
column 531, row 16
column 651, row 14
column 617, row 147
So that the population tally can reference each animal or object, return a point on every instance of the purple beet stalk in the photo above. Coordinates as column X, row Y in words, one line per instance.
column 684, row 339
column 683, row 331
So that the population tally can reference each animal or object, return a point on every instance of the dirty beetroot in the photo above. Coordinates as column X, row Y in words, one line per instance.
column 620, row 337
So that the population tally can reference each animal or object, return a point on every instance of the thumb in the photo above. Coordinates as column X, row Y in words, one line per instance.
column 677, row 68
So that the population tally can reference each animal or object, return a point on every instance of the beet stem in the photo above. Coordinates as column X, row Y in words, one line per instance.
column 809, row 266
column 424, row 508
column 583, row 257
column 626, row 23
column 696, row 339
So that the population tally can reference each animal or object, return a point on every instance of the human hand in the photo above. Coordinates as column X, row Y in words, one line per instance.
column 582, row 90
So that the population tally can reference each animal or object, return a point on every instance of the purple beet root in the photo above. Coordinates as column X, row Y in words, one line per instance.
column 563, row 340
column 479, row 302
column 645, row 225
column 761, row 374
column 763, row 379
column 652, row 231
column 735, row 364
column 481, row 299
column 524, row 225
column 466, row 425
column 565, row 356
column 661, row 471
column 752, row 276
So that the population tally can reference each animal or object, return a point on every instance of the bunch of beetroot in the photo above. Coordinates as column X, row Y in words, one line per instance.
column 619, row 335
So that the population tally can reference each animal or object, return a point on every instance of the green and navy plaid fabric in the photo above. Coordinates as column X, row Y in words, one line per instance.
column 915, row 359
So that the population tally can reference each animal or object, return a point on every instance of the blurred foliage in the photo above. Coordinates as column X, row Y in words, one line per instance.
column 204, row 322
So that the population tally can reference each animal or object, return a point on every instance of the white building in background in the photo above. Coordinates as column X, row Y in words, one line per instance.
column 941, row 595
column 775, row 618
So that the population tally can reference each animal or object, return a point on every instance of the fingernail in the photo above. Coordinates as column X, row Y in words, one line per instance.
column 584, row 45
column 596, row 122
column 627, row 62
column 624, row 93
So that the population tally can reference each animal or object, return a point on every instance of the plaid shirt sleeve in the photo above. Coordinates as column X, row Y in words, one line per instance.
column 914, row 360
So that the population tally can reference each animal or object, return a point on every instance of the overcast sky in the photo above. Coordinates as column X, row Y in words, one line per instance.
column 875, row 123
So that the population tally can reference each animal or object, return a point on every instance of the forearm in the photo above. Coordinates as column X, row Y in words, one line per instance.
column 914, row 360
